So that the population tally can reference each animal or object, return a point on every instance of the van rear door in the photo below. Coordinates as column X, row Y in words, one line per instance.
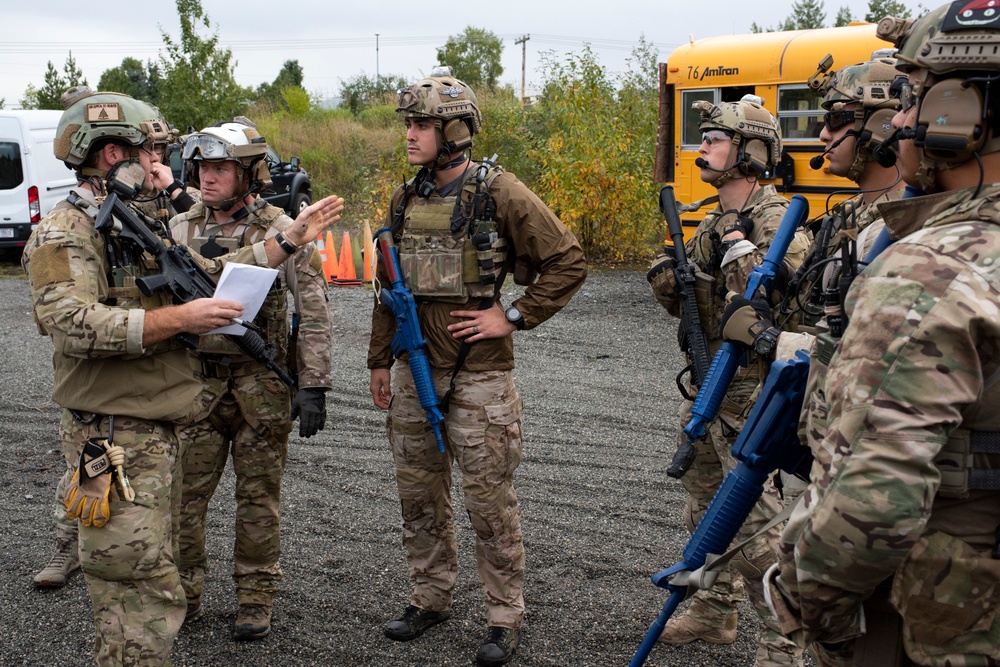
column 32, row 180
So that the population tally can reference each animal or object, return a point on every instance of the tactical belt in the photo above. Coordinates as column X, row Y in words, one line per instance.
column 984, row 479
column 225, row 366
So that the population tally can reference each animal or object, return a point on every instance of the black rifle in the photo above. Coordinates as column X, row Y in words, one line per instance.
column 692, row 335
column 180, row 274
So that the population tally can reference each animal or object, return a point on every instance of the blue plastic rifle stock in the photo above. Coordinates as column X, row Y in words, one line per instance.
column 769, row 441
column 408, row 337
column 727, row 359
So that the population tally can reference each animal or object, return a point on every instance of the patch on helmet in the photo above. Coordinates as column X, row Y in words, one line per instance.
column 966, row 14
column 452, row 92
column 103, row 112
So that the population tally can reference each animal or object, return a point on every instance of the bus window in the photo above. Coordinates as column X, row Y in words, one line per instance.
column 799, row 113
column 690, row 134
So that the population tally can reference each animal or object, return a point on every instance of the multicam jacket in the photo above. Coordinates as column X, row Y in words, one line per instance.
column 914, row 375
column 537, row 238
column 96, row 324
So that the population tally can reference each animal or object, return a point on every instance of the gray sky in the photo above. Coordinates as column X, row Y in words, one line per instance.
column 334, row 41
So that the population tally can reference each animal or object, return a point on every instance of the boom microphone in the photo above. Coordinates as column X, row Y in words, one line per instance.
column 883, row 153
column 816, row 163
column 702, row 163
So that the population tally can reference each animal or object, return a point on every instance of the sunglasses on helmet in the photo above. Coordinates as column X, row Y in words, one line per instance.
column 209, row 147
column 834, row 120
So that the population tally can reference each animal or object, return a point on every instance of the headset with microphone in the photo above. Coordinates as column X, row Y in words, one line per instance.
column 817, row 161
column 883, row 153
column 702, row 163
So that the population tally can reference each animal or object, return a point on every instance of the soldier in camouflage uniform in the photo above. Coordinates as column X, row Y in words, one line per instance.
column 470, row 346
column 903, row 503
column 740, row 141
column 168, row 196
column 860, row 104
column 248, row 411
column 122, row 378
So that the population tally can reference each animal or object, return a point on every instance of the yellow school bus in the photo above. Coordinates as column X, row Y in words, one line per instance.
column 774, row 66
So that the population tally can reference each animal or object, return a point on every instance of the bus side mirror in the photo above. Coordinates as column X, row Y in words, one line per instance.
column 785, row 170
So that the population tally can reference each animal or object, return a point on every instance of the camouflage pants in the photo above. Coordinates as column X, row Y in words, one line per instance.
column 251, row 425
column 128, row 563
column 66, row 528
column 483, row 433
column 713, row 461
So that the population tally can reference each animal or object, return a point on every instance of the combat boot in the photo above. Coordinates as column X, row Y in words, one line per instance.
column 64, row 562
column 698, row 623
column 253, row 621
column 499, row 646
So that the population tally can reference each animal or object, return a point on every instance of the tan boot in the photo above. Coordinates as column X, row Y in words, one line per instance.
column 253, row 621
column 63, row 563
column 689, row 628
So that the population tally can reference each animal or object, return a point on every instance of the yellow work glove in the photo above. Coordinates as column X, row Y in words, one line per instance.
column 87, row 496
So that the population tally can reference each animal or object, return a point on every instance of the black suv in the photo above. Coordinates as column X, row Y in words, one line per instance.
column 290, row 188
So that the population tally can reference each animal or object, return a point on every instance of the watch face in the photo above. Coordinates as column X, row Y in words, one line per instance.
column 513, row 314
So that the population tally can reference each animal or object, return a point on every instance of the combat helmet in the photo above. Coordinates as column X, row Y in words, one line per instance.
column 450, row 102
column 234, row 141
column 951, row 54
column 869, row 86
column 756, row 143
column 91, row 119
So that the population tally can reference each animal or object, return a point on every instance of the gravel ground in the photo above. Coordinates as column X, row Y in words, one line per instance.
column 600, row 515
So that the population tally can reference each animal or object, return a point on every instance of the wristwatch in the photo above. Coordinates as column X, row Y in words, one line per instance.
column 515, row 317
column 765, row 341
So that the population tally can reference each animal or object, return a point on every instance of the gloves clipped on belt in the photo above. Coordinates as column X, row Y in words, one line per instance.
column 88, row 494
column 309, row 406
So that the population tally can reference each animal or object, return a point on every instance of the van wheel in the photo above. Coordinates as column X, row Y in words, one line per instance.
column 299, row 203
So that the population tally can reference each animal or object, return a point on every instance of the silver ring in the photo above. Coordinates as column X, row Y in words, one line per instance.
column 475, row 331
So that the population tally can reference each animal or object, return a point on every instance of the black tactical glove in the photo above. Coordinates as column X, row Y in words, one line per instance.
column 309, row 405
column 748, row 322
column 734, row 221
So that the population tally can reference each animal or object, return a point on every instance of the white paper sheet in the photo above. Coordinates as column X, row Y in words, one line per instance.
column 247, row 284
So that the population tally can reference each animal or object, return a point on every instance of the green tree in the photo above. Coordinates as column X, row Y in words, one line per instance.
column 47, row 97
column 30, row 99
column 134, row 79
column 879, row 9
column 274, row 93
column 593, row 138
column 362, row 91
column 806, row 15
column 474, row 57
column 199, row 83
column 843, row 17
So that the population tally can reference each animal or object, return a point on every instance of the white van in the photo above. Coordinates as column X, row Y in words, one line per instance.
column 32, row 180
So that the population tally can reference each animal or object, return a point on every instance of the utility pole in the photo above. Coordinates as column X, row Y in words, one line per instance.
column 523, row 41
column 376, row 59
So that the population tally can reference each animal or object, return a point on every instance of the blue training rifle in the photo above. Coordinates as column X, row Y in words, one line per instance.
column 408, row 337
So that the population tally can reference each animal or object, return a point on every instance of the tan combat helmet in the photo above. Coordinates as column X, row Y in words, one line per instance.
column 756, row 144
column 236, row 141
column 952, row 55
column 91, row 119
column 451, row 103
column 867, row 88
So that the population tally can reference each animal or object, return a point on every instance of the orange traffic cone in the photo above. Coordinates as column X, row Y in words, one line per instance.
column 329, row 258
column 347, row 276
column 367, row 257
